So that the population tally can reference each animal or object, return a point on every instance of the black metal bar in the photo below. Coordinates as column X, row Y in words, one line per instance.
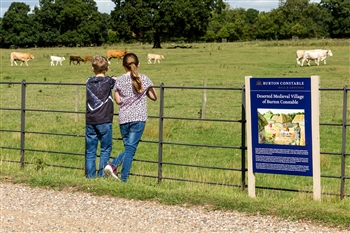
column 343, row 150
column 331, row 124
column 199, row 119
column 23, row 122
column 44, row 151
column 46, row 83
column 201, row 88
column 190, row 165
column 56, row 134
column 331, row 89
column 85, row 151
column 16, row 109
column 54, row 152
column 160, row 137
column 201, row 145
column 243, row 139
column 59, row 111
column 11, row 83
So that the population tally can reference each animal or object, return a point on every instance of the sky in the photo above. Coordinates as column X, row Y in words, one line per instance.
column 105, row 6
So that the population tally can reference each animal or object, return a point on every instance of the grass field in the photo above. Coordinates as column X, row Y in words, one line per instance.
column 219, row 65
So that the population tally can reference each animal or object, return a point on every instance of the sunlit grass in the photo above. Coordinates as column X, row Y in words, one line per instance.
column 217, row 65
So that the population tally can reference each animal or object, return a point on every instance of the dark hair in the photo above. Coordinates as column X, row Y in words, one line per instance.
column 100, row 64
column 131, row 62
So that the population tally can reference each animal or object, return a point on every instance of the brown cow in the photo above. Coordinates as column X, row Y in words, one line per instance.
column 119, row 54
column 24, row 57
column 87, row 58
column 75, row 58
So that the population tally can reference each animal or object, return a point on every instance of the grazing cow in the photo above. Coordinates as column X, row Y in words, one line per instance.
column 75, row 59
column 300, row 55
column 57, row 60
column 316, row 55
column 24, row 57
column 119, row 54
column 155, row 57
column 87, row 58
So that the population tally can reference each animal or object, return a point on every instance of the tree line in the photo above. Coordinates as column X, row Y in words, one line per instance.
column 78, row 22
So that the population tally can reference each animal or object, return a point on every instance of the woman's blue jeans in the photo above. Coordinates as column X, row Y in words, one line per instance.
column 93, row 134
column 131, row 134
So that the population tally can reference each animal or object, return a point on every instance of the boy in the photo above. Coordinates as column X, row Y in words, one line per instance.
column 99, row 117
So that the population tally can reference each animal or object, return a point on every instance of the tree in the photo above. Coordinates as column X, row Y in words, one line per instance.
column 81, row 24
column 216, row 22
column 17, row 24
column 266, row 27
column 339, row 13
column 1, row 34
column 159, row 20
column 233, row 24
column 70, row 23
column 300, row 18
column 238, row 19
column 223, row 33
column 48, row 21
column 252, row 15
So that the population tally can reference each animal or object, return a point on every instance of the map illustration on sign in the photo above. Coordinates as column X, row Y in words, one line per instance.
column 281, row 126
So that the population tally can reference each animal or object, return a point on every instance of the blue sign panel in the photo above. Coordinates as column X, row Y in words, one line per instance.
column 281, row 125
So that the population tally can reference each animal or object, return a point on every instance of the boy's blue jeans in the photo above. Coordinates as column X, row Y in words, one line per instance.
column 93, row 134
column 131, row 134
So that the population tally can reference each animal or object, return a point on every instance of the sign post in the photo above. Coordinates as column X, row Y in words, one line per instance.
column 283, row 128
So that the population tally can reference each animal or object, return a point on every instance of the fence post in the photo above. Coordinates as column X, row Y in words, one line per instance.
column 243, row 136
column 160, row 142
column 204, row 101
column 23, row 122
column 343, row 150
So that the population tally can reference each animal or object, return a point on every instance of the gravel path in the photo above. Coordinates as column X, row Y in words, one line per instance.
column 25, row 209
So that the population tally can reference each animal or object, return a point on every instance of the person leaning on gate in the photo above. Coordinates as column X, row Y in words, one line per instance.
column 130, row 92
column 99, row 117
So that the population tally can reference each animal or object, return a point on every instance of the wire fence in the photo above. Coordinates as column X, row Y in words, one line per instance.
column 174, row 115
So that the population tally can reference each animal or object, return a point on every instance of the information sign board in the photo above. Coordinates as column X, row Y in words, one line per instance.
column 283, row 123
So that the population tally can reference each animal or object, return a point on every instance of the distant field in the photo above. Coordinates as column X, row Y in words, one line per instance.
column 221, row 65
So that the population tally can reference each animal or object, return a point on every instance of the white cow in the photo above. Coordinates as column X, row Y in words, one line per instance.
column 317, row 55
column 155, row 57
column 57, row 60
column 300, row 55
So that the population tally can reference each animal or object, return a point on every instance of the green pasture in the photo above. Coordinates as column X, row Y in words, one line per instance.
column 211, row 64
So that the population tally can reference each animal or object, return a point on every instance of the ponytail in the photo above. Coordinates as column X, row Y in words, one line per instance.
column 136, row 80
column 131, row 62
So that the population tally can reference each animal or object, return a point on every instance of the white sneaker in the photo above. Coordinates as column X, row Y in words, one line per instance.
column 111, row 171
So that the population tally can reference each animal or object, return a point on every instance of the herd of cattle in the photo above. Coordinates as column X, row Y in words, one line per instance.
column 316, row 55
column 117, row 54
